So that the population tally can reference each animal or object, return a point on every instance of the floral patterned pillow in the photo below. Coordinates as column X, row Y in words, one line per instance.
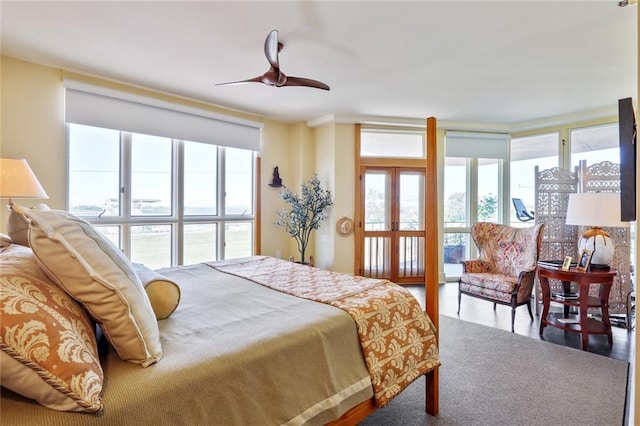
column 48, row 349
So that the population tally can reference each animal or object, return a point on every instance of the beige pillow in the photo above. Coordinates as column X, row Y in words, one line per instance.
column 163, row 293
column 47, row 341
column 18, row 227
column 96, row 273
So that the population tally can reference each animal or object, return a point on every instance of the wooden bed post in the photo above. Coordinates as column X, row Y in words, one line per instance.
column 432, row 392
column 257, row 230
column 431, row 250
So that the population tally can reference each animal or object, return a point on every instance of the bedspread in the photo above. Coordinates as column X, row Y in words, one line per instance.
column 235, row 353
column 396, row 335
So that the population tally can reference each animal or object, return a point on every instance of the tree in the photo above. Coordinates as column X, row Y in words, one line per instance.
column 306, row 212
column 456, row 207
column 487, row 206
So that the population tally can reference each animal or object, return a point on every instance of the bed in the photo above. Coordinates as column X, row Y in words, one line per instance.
column 255, row 340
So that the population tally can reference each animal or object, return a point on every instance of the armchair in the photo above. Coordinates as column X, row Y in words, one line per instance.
column 505, row 271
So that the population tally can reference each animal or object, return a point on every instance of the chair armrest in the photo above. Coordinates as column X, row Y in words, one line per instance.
column 526, row 281
column 527, row 274
column 475, row 265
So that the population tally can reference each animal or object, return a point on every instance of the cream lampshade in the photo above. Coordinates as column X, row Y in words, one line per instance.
column 17, row 180
column 596, row 210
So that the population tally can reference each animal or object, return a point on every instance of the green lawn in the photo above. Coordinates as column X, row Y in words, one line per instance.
column 154, row 249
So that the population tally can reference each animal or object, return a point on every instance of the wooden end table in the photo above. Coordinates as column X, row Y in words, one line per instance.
column 583, row 302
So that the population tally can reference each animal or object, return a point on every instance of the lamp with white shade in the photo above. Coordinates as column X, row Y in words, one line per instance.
column 596, row 210
column 17, row 180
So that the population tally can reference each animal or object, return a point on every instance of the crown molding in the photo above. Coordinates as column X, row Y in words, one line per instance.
column 554, row 121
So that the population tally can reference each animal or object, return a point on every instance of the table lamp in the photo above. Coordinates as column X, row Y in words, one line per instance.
column 17, row 180
column 596, row 210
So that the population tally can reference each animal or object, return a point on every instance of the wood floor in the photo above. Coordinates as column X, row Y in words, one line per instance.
column 481, row 312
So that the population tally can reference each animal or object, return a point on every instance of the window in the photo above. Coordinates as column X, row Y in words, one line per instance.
column 473, row 190
column 168, row 183
column 200, row 179
column 392, row 143
column 94, row 171
column 489, row 170
column 151, row 174
column 456, row 176
column 158, row 198
column 526, row 153
column 595, row 144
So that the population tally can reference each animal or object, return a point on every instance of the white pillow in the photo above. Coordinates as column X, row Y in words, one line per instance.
column 97, row 274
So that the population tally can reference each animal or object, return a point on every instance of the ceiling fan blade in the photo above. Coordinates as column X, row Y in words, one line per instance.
column 271, row 48
column 275, row 77
column 306, row 82
column 258, row 79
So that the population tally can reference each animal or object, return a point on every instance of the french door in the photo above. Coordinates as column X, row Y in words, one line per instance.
column 393, row 230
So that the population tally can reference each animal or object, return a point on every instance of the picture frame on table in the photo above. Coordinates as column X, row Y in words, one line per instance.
column 566, row 265
column 584, row 261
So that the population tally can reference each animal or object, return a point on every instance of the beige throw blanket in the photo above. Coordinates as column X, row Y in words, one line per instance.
column 397, row 340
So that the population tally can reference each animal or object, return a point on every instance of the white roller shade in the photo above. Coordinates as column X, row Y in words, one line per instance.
column 121, row 111
column 476, row 145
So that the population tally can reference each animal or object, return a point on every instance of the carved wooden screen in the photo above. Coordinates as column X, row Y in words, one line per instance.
column 553, row 187
column 605, row 177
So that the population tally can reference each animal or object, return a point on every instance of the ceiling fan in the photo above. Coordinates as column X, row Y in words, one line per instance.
column 274, row 76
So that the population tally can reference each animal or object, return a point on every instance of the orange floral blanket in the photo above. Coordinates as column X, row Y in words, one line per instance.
column 396, row 335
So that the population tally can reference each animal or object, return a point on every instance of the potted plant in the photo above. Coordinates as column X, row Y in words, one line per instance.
column 305, row 213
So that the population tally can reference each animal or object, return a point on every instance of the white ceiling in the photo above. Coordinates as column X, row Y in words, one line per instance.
column 477, row 61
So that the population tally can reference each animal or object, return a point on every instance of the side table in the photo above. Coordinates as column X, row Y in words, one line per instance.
column 582, row 324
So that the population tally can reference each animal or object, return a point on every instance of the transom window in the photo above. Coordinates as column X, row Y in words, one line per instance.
column 387, row 143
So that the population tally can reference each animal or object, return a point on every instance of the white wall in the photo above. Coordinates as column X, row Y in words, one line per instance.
column 31, row 105
column 344, row 161
column 277, row 152
column 326, row 169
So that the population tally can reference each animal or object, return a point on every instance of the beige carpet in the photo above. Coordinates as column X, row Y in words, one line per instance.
column 493, row 377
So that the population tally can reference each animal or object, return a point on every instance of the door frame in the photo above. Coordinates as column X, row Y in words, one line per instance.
column 371, row 162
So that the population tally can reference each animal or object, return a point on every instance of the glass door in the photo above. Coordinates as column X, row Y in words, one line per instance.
column 378, row 224
column 394, row 226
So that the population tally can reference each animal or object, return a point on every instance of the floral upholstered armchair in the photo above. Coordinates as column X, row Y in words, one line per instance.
column 505, row 270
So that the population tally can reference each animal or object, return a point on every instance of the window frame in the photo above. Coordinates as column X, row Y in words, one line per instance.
column 176, row 219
